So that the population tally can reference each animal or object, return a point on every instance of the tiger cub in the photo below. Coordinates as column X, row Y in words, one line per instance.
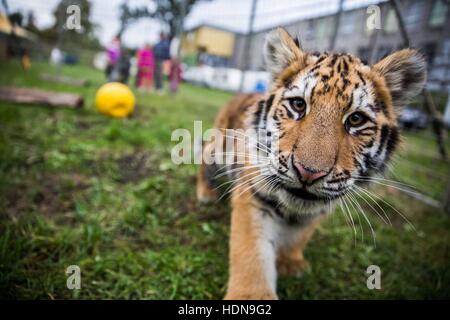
column 329, row 123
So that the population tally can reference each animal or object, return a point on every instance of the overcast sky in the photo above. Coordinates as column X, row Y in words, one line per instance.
column 231, row 14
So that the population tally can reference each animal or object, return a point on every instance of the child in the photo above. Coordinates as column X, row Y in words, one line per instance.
column 174, row 75
column 146, row 64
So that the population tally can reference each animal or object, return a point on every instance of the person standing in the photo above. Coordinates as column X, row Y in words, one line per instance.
column 146, row 65
column 174, row 75
column 162, row 53
column 113, row 55
column 123, row 67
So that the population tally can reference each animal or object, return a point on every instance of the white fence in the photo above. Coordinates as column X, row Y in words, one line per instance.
column 227, row 79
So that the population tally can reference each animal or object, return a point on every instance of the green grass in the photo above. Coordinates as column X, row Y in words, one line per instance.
column 78, row 188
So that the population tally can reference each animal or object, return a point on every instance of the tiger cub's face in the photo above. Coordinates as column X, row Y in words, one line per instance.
column 334, row 117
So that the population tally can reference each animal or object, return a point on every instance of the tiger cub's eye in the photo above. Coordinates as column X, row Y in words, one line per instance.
column 299, row 105
column 356, row 119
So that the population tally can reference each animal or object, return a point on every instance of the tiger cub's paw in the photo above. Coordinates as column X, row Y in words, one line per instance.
column 293, row 267
column 243, row 295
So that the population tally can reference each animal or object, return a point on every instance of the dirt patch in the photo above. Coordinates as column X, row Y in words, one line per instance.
column 86, row 124
column 143, row 112
column 135, row 167
column 127, row 168
column 189, row 206
column 52, row 195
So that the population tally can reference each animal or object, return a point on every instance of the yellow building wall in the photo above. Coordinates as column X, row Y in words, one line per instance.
column 216, row 42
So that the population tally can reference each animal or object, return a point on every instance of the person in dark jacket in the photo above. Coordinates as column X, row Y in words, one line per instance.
column 161, row 52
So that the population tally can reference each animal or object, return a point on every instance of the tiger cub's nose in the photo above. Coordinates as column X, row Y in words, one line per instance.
column 308, row 175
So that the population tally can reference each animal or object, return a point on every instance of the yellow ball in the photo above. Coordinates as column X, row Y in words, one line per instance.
column 115, row 99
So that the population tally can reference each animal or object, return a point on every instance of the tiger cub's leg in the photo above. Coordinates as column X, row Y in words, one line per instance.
column 205, row 186
column 290, row 258
column 252, row 254
column 206, row 191
column 290, row 261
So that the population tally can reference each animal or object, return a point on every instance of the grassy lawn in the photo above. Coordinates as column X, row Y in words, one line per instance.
column 78, row 188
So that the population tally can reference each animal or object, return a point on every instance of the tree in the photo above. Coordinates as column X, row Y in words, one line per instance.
column 31, row 23
column 16, row 18
column 127, row 16
column 169, row 12
column 84, row 38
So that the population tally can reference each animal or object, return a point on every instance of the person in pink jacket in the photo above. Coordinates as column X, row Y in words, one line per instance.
column 145, row 64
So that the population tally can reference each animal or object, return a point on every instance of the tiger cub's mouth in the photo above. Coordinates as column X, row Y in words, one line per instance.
column 302, row 192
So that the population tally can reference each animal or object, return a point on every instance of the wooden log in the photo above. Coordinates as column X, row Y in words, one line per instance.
column 65, row 80
column 40, row 97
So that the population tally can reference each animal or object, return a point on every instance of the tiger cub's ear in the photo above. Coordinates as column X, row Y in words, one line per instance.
column 405, row 73
column 281, row 50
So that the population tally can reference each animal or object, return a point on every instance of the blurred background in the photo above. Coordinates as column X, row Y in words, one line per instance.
column 90, row 92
